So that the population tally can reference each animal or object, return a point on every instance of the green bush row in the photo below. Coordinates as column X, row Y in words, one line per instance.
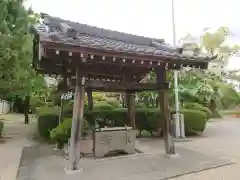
column 62, row 132
column 148, row 119
column 47, row 120
column 199, row 107
column 48, row 124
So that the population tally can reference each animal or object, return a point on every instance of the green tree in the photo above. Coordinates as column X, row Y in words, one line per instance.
column 197, row 86
column 16, row 74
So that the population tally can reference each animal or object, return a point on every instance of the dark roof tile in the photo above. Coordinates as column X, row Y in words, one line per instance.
column 94, row 37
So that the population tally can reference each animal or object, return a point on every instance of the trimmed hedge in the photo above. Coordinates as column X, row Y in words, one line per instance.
column 113, row 102
column 62, row 132
column 47, row 120
column 149, row 119
column 199, row 107
column 1, row 128
column 195, row 120
column 102, row 105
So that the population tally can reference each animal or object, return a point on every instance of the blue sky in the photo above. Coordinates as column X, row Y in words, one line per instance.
column 150, row 18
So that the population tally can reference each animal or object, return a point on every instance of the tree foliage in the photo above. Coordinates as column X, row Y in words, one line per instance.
column 206, row 87
column 17, row 76
column 206, row 84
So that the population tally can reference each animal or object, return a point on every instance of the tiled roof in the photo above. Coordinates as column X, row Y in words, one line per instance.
column 67, row 32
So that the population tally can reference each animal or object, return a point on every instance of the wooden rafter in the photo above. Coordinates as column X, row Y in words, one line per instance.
column 124, row 58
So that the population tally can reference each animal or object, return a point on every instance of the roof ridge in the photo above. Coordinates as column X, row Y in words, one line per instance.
column 106, row 33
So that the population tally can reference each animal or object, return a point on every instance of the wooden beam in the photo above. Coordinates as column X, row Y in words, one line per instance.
column 174, row 62
column 131, row 109
column 90, row 67
column 97, row 85
column 101, row 52
column 164, row 106
column 77, row 123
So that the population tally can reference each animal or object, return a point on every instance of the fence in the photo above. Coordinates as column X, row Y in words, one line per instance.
column 4, row 107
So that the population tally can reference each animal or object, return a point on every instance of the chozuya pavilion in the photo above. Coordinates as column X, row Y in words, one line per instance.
column 110, row 61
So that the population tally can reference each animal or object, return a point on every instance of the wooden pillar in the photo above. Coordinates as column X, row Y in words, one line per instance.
column 90, row 99
column 164, row 106
column 131, row 109
column 77, row 123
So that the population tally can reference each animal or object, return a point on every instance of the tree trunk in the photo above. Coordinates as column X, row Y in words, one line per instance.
column 26, row 108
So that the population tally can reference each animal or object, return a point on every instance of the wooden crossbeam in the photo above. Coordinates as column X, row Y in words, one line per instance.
column 92, row 70
column 97, row 85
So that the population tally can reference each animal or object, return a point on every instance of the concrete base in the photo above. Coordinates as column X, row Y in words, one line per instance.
column 182, row 139
column 70, row 172
column 40, row 164
column 172, row 155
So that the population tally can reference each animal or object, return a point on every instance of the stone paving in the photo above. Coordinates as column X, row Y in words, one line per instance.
column 220, row 140
column 40, row 163
column 15, row 133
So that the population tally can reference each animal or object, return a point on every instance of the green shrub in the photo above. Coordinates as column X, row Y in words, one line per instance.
column 113, row 102
column 1, row 128
column 154, row 120
column 62, row 132
column 98, row 96
column 141, row 105
column 195, row 120
column 198, row 107
column 148, row 119
column 230, row 98
column 68, row 108
column 207, row 111
column 45, row 110
column 101, row 117
column 47, row 120
column 102, row 105
column 36, row 102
